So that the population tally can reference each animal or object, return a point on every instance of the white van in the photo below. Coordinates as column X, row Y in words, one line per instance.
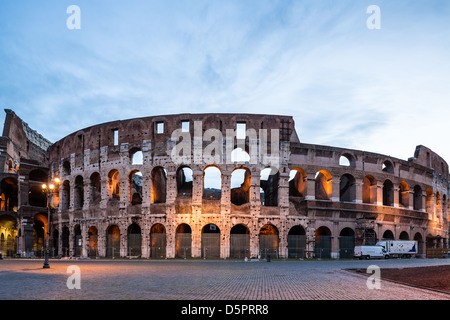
column 370, row 252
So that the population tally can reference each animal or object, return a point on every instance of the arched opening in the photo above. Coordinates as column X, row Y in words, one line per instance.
column 346, row 243
column 135, row 183
column 136, row 156
column 158, row 241
column 39, row 234
column 210, row 241
column 93, row 241
column 183, row 241
column 113, row 242
column 8, row 229
column 134, row 248
column 269, row 178
column 8, row 195
column 212, row 183
column 297, row 183
column 322, row 248
column 65, row 236
column 417, row 205
column 297, row 242
column 268, row 242
column 78, row 196
column 347, row 188
column 388, row 193
column 114, row 188
column 404, row 235
column 159, row 184
column 239, row 242
column 95, row 188
column 347, row 160
column 77, row 241
column 240, row 186
column 403, row 194
column 420, row 244
column 388, row 235
column 65, row 193
column 184, row 182
column 323, row 185
column 387, row 166
column 369, row 188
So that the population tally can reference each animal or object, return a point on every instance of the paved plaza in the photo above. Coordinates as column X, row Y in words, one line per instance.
column 205, row 280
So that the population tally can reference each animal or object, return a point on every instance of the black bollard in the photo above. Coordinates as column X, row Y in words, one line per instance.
column 268, row 258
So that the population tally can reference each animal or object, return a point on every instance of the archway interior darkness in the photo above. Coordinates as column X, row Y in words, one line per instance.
column 210, row 241
column 240, row 186
column 239, row 242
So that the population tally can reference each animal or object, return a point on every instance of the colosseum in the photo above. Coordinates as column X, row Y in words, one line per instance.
column 210, row 186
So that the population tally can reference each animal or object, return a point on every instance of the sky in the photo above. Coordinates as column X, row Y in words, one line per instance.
column 346, row 85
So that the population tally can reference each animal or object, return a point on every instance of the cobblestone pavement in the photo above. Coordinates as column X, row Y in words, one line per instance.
column 206, row 280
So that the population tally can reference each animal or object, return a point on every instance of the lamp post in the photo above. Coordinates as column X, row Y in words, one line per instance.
column 49, row 190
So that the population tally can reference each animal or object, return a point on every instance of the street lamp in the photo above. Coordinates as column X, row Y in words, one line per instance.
column 49, row 190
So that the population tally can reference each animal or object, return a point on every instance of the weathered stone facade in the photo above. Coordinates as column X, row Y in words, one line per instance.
column 315, row 205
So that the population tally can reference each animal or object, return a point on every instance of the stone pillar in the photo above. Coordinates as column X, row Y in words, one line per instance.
column 84, row 239
column 335, row 189
column 379, row 193
column 359, row 190
column 310, row 186
column 396, row 196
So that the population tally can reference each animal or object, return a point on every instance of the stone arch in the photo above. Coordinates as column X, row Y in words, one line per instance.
column 114, row 188
column 388, row 193
column 212, row 182
column 158, row 241
column 268, row 241
column 134, row 240
column 93, row 241
column 322, row 246
column 297, row 182
column 296, row 240
column 346, row 243
column 347, row 188
column 78, row 194
column 210, row 245
column 403, row 194
column 113, row 241
column 388, row 235
column 184, row 177
column 387, row 166
column 269, row 182
column 417, row 199
column 404, row 236
column 240, row 186
column 239, row 241
column 347, row 160
column 159, row 185
column 323, row 185
column 135, row 182
column 369, row 189
column 183, row 241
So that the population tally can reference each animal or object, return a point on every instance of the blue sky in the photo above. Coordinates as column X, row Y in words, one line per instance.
column 382, row 91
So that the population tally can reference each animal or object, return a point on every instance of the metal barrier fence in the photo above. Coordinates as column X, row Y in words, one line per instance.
column 296, row 246
column 183, row 245
column 239, row 246
column 210, row 245
column 268, row 246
